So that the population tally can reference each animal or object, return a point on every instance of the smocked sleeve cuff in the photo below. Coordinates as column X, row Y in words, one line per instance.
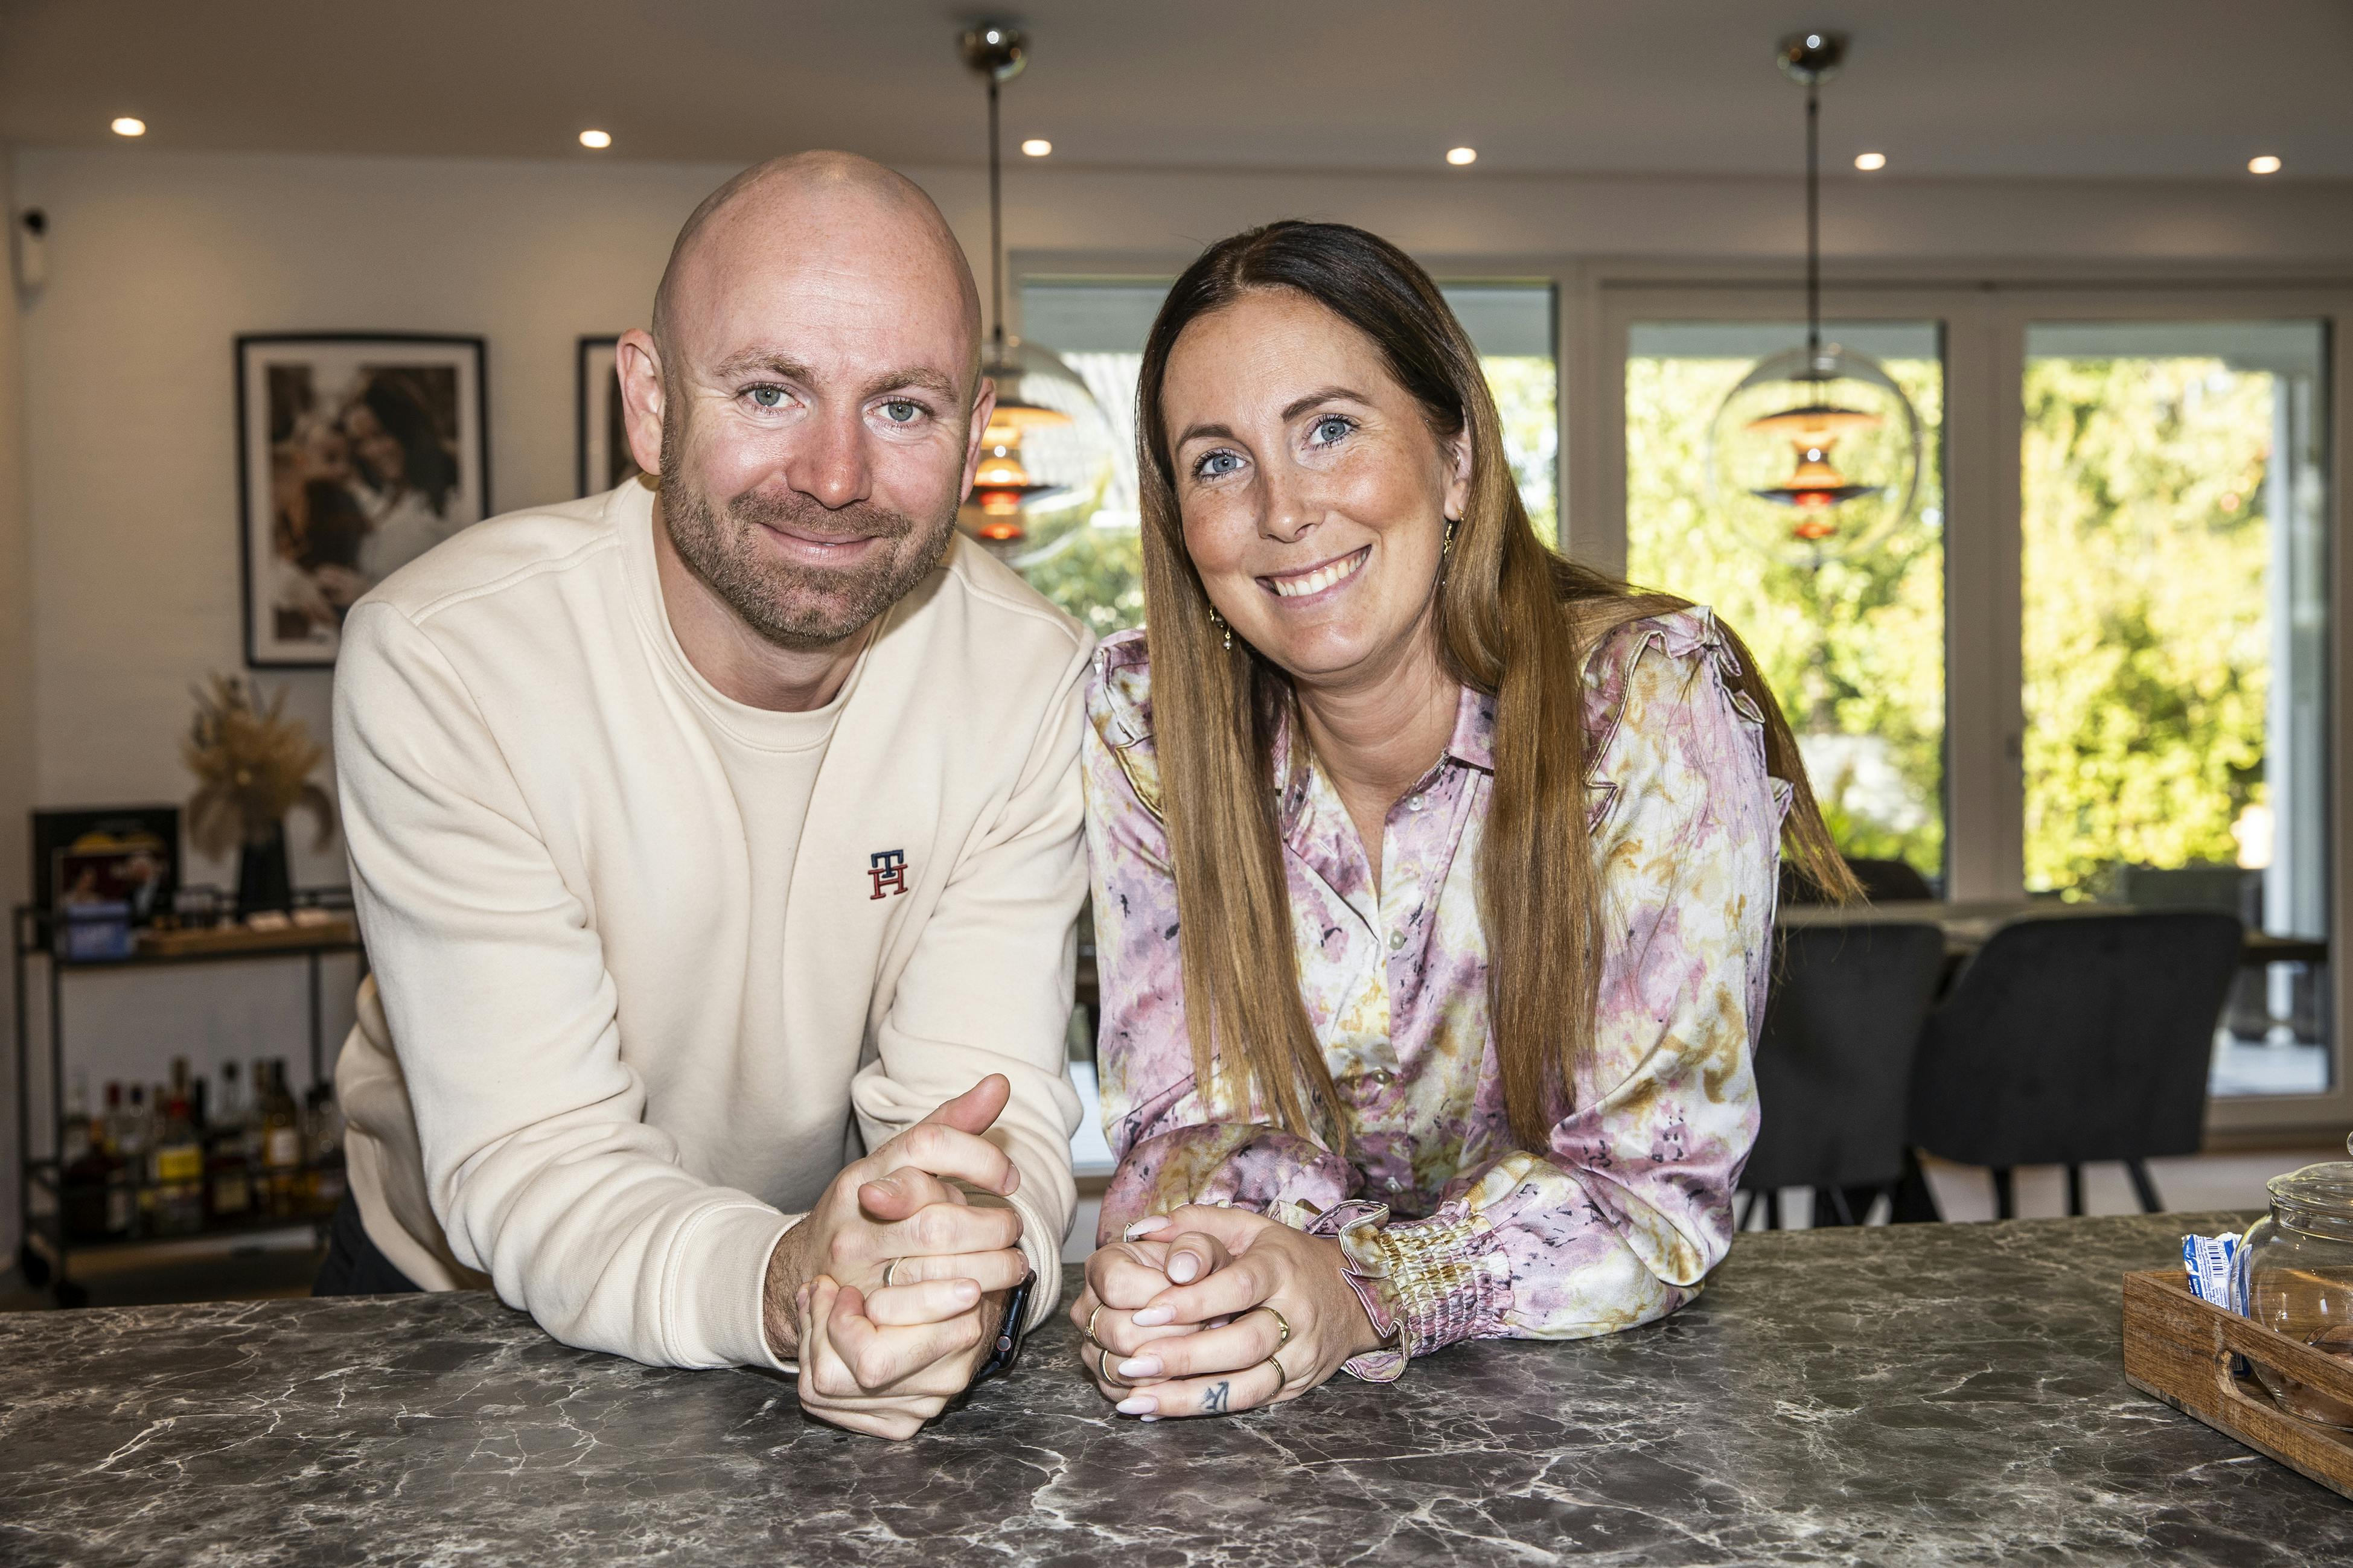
column 1424, row 1283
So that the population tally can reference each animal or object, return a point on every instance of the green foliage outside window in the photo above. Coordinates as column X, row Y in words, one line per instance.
column 1852, row 649
column 2148, row 653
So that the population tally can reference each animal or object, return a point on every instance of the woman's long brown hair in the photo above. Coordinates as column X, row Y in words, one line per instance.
column 1512, row 620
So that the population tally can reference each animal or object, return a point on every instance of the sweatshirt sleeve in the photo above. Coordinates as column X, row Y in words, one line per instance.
column 538, row 1161
column 977, row 997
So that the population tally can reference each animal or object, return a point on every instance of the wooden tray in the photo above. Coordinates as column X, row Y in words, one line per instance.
column 2185, row 1352
column 336, row 932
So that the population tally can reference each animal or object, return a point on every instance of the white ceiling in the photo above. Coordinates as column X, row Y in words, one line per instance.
column 1995, row 88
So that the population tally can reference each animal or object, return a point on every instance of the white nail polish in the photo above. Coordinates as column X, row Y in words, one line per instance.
column 1140, row 1366
column 1183, row 1266
column 1153, row 1317
column 1137, row 1405
column 1138, row 1229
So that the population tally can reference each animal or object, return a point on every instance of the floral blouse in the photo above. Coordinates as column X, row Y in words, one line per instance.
column 1451, row 1231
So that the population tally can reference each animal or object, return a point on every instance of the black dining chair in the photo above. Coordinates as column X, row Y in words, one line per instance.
column 1884, row 882
column 2076, row 1038
column 1835, row 1062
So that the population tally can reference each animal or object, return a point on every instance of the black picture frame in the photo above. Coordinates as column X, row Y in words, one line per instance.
column 605, row 461
column 311, row 402
column 90, row 830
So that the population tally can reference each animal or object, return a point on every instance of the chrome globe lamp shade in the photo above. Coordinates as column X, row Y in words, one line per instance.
column 1816, row 452
column 1046, row 456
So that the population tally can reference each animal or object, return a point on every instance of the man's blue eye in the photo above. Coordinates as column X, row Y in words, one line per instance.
column 901, row 411
column 768, row 396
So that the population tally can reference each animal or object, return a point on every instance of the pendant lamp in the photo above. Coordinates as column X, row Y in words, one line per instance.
column 1047, row 448
column 1816, row 453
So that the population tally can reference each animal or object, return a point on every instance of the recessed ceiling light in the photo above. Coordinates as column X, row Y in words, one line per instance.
column 2266, row 165
column 598, row 140
column 1037, row 146
column 1867, row 161
column 1461, row 155
column 129, row 126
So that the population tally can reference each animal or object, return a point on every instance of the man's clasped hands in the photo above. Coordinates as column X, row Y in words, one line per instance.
column 890, row 1292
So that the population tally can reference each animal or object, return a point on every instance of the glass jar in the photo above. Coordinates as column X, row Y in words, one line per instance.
column 2295, row 1276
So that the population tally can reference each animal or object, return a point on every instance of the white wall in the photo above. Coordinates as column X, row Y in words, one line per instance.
column 158, row 261
column 17, row 744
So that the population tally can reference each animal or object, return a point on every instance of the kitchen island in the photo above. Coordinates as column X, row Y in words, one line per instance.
column 1906, row 1395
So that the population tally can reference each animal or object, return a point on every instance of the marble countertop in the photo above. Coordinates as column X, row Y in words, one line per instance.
column 1909, row 1394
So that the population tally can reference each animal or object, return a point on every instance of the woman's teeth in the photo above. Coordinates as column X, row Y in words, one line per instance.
column 1323, row 577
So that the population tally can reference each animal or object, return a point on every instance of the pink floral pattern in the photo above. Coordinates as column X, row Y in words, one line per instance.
column 1451, row 1231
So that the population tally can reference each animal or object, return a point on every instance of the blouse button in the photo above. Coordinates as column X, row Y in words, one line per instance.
column 1396, row 940
column 1414, row 805
column 1382, row 1075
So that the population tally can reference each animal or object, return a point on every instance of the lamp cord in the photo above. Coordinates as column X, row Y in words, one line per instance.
column 1813, row 217
column 995, row 228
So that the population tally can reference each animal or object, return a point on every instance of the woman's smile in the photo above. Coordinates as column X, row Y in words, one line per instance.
column 1314, row 584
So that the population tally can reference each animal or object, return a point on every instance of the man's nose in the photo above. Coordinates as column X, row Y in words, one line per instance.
column 830, row 463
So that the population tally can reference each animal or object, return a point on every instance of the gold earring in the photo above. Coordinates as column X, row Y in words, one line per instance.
column 1218, row 621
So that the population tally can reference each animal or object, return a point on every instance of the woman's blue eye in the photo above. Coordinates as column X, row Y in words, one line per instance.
column 1330, row 428
column 1216, row 465
column 768, row 396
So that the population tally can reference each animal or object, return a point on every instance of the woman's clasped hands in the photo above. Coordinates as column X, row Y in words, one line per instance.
column 1208, row 1310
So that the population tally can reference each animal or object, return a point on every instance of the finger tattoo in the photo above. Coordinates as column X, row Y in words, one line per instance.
column 1216, row 1402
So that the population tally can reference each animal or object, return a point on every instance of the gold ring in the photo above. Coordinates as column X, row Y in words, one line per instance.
column 1090, row 1330
column 1281, row 1323
column 1103, row 1365
column 889, row 1264
column 1280, row 1376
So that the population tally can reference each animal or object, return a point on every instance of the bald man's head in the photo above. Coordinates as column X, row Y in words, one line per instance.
column 804, row 198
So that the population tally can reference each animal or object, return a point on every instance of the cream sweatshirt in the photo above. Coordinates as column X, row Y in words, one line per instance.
column 650, row 965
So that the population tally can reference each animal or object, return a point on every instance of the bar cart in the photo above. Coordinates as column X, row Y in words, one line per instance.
column 48, row 1245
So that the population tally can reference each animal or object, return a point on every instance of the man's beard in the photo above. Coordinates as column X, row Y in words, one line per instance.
column 793, row 605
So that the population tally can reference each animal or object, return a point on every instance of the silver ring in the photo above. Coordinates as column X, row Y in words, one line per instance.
column 888, row 1266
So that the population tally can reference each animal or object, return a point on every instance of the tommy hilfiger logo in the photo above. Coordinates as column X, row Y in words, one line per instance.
column 889, row 869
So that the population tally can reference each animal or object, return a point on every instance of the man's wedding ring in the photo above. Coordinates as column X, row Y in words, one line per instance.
column 888, row 1267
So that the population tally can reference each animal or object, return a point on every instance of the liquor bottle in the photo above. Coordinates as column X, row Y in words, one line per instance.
column 281, row 1146
column 324, row 1135
column 81, row 1169
column 179, row 1171
column 132, row 1144
column 228, row 1175
column 76, row 1122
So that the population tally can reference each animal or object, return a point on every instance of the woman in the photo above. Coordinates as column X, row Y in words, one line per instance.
column 1433, row 875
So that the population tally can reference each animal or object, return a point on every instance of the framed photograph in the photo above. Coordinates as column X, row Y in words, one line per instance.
column 357, row 452
column 605, row 460
column 122, row 854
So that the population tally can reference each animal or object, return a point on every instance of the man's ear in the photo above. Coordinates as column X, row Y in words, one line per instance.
column 983, row 406
column 638, row 363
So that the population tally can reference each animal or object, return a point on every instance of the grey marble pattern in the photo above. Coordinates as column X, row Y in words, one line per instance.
column 1921, row 1393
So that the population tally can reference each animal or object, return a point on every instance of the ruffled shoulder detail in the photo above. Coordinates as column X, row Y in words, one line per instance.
column 1619, row 701
column 1119, row 712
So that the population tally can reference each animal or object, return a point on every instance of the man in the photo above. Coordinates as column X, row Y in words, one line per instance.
column 702, row 828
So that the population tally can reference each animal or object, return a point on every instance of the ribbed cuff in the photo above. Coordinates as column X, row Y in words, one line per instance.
column 714, row 1299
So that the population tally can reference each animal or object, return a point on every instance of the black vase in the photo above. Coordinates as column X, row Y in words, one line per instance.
column 264, row 880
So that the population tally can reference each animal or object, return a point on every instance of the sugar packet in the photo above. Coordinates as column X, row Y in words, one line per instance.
column 2211, row 1262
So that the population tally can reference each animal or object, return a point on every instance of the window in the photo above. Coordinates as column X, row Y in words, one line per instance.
column 2175, row 639
column 1853, row 647
column 1098, row 329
